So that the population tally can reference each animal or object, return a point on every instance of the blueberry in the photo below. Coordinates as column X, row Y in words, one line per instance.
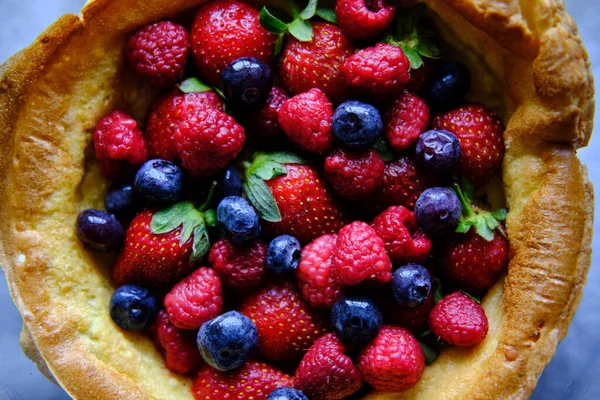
column 121, row 200
column 438, row 210
column 159, row 181
column 132, row 307
column 99, row 230
column 247, row 81
column 238, row 219
column 449, row 87
column 411, row 285
column 437, row 150
column 228, row 340
column 356, row 124
column 355, row 320
column 229, row 183
column 283, row 254
column 286, row 393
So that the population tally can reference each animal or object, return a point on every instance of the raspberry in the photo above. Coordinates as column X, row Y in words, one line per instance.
column 393, row 361
column 314, row 273
column 265, row 120
column 195, row 299
column 159, row 52
column 354, row 175
column 459, row 320
column 306, row 119
column 119, row 145
column 405, row 120
column 359, row 254
column 402, row 184
column 363, row 19
column 240, row 267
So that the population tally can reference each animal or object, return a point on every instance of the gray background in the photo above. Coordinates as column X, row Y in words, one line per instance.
column 572, row 374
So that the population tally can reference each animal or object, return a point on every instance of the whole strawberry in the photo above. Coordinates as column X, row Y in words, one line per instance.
column 405, row 120
column 264, row 122
column 286, row 325
column 326, row 372
column 354, row 175
column 459, row 320
column 480, row 132
column 402, row 184
column 240, row 267
column 393, row 361
column 362, row 20
column 225, row 30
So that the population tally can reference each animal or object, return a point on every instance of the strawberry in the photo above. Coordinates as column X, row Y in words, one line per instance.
column 240, row 267
column 326, row 372
column 458, row 320
column 253, row 380
column 362, row 20
column 405, row 120
column 354, row 175
column 286, row 325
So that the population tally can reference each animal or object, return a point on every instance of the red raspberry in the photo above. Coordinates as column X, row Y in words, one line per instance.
column 159, row 52
column 393, row 361
column 326, row 372
column 402, row 184
column 354, row 175
column 363, row 19
column 381, row 70
column 314, row 273
column 404, row 240
column 195, row 299
column 405, row 120
column 265, row 120
column 240, row 267
column 359, row 254
column 119, row 145
column 459, row 320
column 207, row 141
column 306, row 119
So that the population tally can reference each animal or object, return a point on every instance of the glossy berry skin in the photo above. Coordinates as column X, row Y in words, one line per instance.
column 361, row 22
column 247, row 81
column 227, row 341
column 459, row 320
column 306, row 120
column 402, row 184
column 283, row 254
column 133, row 308
column 356, row 320
column 99, row 230
column 449, row 87
column 240, row 267
column 238, row 219
column 437, row 150
column 438, row 210
column 286, row 393
column 411, row 285
column 229, row 183
column 405, row 120
column 388, row 371
column 354, row 175
column 264, row 122
column 121, row 200
column 356, row 124
column 159, row 181
column 159, row 52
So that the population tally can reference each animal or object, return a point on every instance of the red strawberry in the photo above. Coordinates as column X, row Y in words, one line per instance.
column 405, row 120
column 195, row 300
column 314, row 273
column 326, row 372
column 480, row 132
column 403, row 183
column 119, row 146
column 253, row 380
column 362, row 20
column 354, row 175
column 359, row 255
column 393, row 361
column 265, row 120
column 240, row 267
column 159, row 52
column 459, row 320
column 225, row 30
column 286, row 325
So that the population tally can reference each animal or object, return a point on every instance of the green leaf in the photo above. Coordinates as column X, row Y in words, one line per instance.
column 468, row 189
column 210, row 217
column 190, row 222
column 426, row 48
column 193, row 85
column 384, row 150
column 491, row 222
column 279, row 44
column 268, row 170
column 327, row 14
column 201, row 243
column 294, row 8
column 170, row 218
column 464, row 225
column 309, row 10
column 261, row 198
column 500, row 214
column 413, row 57
column 301, row 30
column 437, row 291
column 431, row 354
column 483, row 230
column 285, row 157
column 271, row 22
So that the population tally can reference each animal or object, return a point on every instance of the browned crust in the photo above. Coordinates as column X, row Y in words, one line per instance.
column 547, row 100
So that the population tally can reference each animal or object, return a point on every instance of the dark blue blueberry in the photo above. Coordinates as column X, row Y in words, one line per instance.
column 230, row 183
column 121, row 200
column 449, row 87
column 132, row 307
column 356, row 124
column 228, row 340
column 247, row 81
column 286, row 393
column 238, row 219
column 99, row 230
column 438, row 210
column 437, row 150
column 411, row 285
column 356, row 320
column 159, row 181
column 283, row 254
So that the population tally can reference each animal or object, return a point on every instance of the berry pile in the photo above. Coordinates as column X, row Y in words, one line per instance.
column 351, row 247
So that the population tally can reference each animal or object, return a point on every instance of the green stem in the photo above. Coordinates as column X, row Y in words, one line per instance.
column 465, row 204
column 211, row 192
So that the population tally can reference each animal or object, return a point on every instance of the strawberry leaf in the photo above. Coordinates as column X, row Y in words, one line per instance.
column 261, row 198
column 483, row 229
column 464, row 225
column 201, row 243
column 269, row 170
column 193, row 85
column 294, row 9
column 327, row 14
column 301, row 30
column 431, row 354
column 271, row 23
column 491, row 222
column 413, row 57
column 284, row 157
column 427, row 49
column 383, row 149
column 309, row 10
column 500, row 214
column 191, row 221
column 279, row 44
column 170, row 218
column 210, row 217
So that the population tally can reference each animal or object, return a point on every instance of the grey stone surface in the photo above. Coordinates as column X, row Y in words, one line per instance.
column 572, row 374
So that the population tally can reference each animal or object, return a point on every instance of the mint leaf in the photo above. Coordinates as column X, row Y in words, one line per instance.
column 500, row 214
column 170, row 218
column 201, row 243
column 310, row 9
column 327, row 14
column 431, row 354
column 271, row 22
column 284, row 157
column 301, row 30
column 268, row 170
column 261, row 198
column 193, row 85
column 383, row 149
